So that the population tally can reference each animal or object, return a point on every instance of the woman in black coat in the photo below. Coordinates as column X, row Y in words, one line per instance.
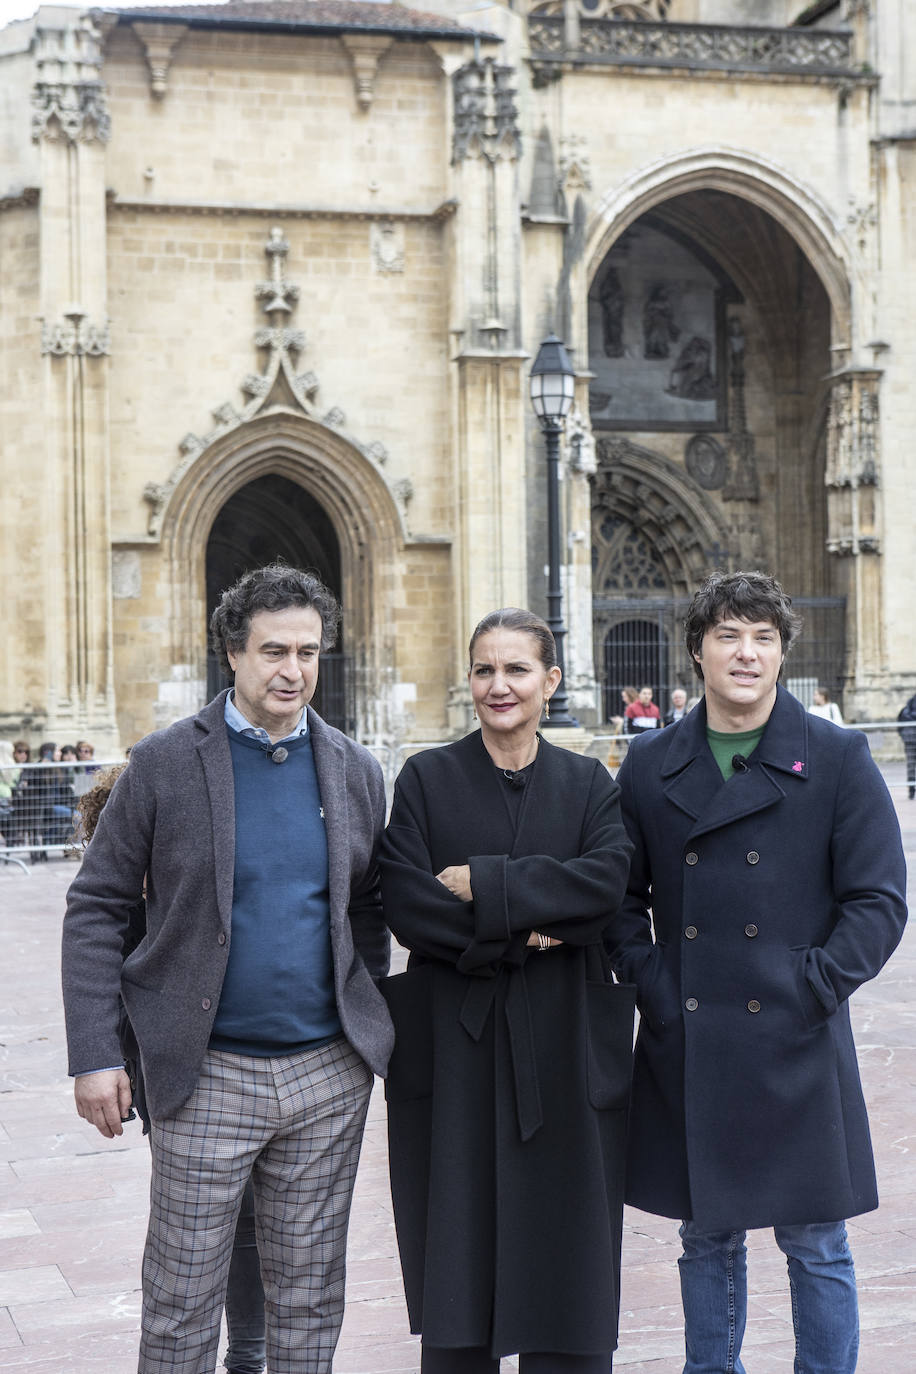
column 504, row 863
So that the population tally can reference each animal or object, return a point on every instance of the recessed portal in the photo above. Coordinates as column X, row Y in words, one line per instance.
column 275, row 518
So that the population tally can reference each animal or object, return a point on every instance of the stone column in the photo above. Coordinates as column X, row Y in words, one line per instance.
column 70, row 122
column 853, row 535
column 490, row 379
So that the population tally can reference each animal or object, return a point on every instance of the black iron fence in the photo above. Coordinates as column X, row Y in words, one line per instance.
column 639, row 642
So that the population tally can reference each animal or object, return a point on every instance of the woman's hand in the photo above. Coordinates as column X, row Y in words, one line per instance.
column 457, row 879
column 536, row 941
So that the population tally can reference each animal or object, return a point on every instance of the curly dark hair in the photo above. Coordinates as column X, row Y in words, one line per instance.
column 90, row 803
column 745, row 596
column 272, row 588
column 512, row 618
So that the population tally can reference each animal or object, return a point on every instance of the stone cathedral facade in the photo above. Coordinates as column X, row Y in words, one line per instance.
column 272, row 277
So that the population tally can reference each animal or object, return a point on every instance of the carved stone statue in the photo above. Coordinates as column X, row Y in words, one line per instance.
column 659, row 329
column 691, row 377
column 611, row 298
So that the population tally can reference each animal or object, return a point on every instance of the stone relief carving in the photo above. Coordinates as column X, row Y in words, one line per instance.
column 575, row 169
column 75, row 335
column 277, row 383
column 69, row 101
column 706, row 461
column 611, row 9
column 853, row 464
column 650, row 42
column 691, row 377
column 485, row 114
column 386, row 246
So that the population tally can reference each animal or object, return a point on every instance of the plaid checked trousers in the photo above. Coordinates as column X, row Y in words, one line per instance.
column 295, row 1125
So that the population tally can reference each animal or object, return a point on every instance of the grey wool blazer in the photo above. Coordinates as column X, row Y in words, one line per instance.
column 170, row 820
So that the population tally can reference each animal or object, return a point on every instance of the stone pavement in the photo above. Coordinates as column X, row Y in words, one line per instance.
column 73, row 1206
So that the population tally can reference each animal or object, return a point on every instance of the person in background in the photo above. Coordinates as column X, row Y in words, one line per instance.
column 678, row 706
column 246, row 1351
column 503, row 865
column 767, row 884
column 907, row 734
column 642, row 714
column 824, row 707
column 9, row 776
column 617, row 750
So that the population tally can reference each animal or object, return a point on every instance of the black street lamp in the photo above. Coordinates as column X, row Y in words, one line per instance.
column 552, row 386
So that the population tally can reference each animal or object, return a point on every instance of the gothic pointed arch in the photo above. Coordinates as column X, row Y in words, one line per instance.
column 655, row 532
column 358, row 504
column 791, row 202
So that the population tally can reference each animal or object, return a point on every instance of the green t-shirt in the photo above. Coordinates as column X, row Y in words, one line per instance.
column 725, row 746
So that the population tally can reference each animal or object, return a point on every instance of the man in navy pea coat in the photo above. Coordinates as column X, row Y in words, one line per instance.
column 766, row 885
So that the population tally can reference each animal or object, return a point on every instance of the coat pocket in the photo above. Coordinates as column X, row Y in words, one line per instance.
column 410, row 1069
column 611, row 1009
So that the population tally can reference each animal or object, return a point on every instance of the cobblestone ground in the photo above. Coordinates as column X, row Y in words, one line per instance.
column 73, row 1206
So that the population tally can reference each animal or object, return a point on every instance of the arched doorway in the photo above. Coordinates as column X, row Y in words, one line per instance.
column 273, row 518
column 710, row 344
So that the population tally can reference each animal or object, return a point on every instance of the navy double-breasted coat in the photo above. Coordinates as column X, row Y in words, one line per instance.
column 773, row 896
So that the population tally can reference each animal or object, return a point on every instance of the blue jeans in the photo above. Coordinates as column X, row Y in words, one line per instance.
column 245, row 1296
column 822, row 1283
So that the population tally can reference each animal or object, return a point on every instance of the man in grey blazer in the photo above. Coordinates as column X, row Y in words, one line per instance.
column 253, row 996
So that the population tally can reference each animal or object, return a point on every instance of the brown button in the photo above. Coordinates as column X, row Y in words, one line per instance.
column 691, row 858
column 221, row 938
column 750, row 931
column 691, row 932
column 753, row 1005
column 753, row 857
column 691, row 1004
column 206, row 1004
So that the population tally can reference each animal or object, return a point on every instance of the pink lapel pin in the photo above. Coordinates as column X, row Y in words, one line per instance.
column 797, row 766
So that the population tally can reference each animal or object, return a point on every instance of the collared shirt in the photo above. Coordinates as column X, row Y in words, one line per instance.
column 237, row 721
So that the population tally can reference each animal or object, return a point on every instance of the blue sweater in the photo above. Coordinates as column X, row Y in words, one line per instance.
column 278, row 993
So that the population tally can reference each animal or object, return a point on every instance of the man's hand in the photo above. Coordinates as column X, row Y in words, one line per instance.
column 103, row 1099
column 457, row 879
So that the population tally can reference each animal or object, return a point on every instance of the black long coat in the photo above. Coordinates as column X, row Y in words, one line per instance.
column 508, row 1087
column 774, row 895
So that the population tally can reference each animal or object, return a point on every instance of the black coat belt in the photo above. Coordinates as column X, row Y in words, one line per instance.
column 475, row 1010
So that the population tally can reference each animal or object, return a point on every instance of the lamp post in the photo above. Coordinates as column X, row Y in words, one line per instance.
column 552, row 384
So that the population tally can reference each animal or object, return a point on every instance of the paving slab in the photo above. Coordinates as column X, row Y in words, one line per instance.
column 73, row 1206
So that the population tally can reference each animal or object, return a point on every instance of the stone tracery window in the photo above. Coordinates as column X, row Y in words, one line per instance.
column 624, row 560
column 649, row 10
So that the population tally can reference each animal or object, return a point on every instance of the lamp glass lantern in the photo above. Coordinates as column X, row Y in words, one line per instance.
column 552, row 382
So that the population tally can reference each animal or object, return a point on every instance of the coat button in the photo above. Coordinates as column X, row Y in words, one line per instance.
column 753, row 857
column 691, row 858
column 753, row 1005
column 750, row 931
column 221, row 938
column 206, row 1004
column 691, row 932
column 691, row 1004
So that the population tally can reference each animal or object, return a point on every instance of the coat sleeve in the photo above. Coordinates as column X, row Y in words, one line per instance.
column 370, row 933
column 630, row 943
column 100, row 903
column 576, row 899
column 869, row 883
column 424, row 916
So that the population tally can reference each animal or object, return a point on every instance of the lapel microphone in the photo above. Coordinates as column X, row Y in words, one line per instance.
column 278, row 754
column 517, row 780
column 739, row 763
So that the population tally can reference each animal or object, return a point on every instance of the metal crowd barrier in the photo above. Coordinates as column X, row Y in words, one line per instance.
column 38, row 809
column 38, row 801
